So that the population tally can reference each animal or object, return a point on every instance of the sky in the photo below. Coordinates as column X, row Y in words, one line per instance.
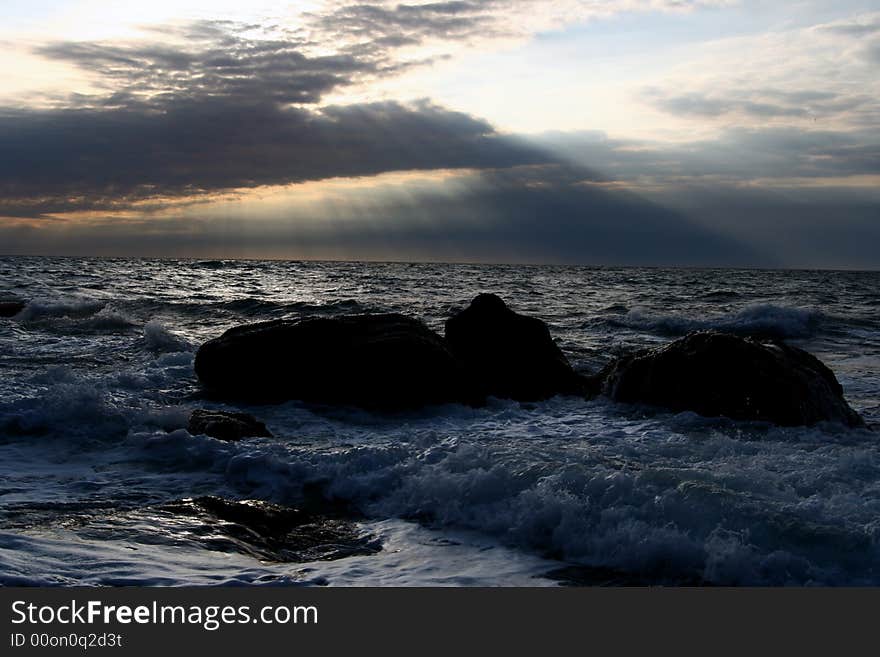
column 632, row 132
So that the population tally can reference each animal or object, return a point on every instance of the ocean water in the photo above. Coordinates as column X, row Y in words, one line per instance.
column 96, row 383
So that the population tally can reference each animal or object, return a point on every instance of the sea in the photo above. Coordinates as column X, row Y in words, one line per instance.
column 97, row 383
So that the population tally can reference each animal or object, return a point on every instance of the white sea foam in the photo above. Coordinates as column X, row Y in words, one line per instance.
column 160, row 339
column 707, row 503
column 764, row 319
column 93, row 414
column 76, row 307
column 412, row 556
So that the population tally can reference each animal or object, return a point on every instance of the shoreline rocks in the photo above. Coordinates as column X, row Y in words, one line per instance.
column 509, row 355
column 11, row 307
column 381, row 362
column 267, row 531
column 390, row 362
column 723, row 375
column 227, row 426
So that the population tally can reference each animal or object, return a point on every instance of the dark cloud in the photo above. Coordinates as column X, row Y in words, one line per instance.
column 535, row 214
column 226, row 110
column 737, row 155
column 546, row 213
column 104, row 158
column 215, row 63
column 801, row 227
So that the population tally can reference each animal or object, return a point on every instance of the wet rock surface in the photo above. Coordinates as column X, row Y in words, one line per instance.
column 225, row 425
column 510, row 355
column 720, row 374
column 385, row 362
column 271, row 531
column 11, row 307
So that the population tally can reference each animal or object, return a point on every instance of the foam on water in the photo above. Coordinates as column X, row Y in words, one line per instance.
column 42, row 308
column 760, row 319
column 412, row 556
column 95, row 396
column 160, row 339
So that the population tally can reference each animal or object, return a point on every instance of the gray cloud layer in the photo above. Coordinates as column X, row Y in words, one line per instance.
column 101, row 158
column 224, row 110
column 738, row 155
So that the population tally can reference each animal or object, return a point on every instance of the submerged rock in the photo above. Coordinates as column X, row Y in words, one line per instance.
column 383, row 362
column 510, row 355
column 10, row 308
column 224, row 425
column 268, row 531
column 719, row 374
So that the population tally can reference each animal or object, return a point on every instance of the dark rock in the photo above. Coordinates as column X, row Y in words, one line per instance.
column 267, row 531
column 226, row 426
column 264, row 518
column 385, row 362
column 10, row 308
column 719, row 374
column 508, row 354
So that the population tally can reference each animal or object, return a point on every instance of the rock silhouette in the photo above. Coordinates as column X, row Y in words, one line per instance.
column 719, row 374
column 392, row 362
column 268, row 531
column 510, row 355
column 385, row 362
column 224, row 425
column 9, row 308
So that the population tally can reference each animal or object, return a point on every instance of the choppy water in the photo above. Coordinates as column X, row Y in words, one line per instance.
column 96, row 383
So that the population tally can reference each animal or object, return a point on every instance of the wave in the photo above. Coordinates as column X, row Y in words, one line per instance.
column 75, row 315
column 657, row 505
column 73, row 308
column 108, row 320
column 160, row 339
column 69, row 408
column 758, row 320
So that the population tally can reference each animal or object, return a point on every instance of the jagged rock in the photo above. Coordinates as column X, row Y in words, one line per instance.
column 385, row 362
column 508, row 354
column 224, row 425
column 719, row 374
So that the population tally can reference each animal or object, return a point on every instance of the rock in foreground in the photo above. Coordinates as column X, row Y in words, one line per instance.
column 385, row 362
column 263, row 530
column 718, row 374
column 11, row 308
column 226, row 426
column 508, row 354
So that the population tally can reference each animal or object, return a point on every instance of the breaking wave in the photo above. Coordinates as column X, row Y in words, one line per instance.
column 760, row 320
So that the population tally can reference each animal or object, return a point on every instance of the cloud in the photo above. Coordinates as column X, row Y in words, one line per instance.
column 59, row 160
column 203, row 109
column 538, row 213
column 861, row 26
column 823, row 74
column 470, row 20
column 695, row 104
column 735, row 156
column 758, row 104
column 216, row 59
column 213, row 106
